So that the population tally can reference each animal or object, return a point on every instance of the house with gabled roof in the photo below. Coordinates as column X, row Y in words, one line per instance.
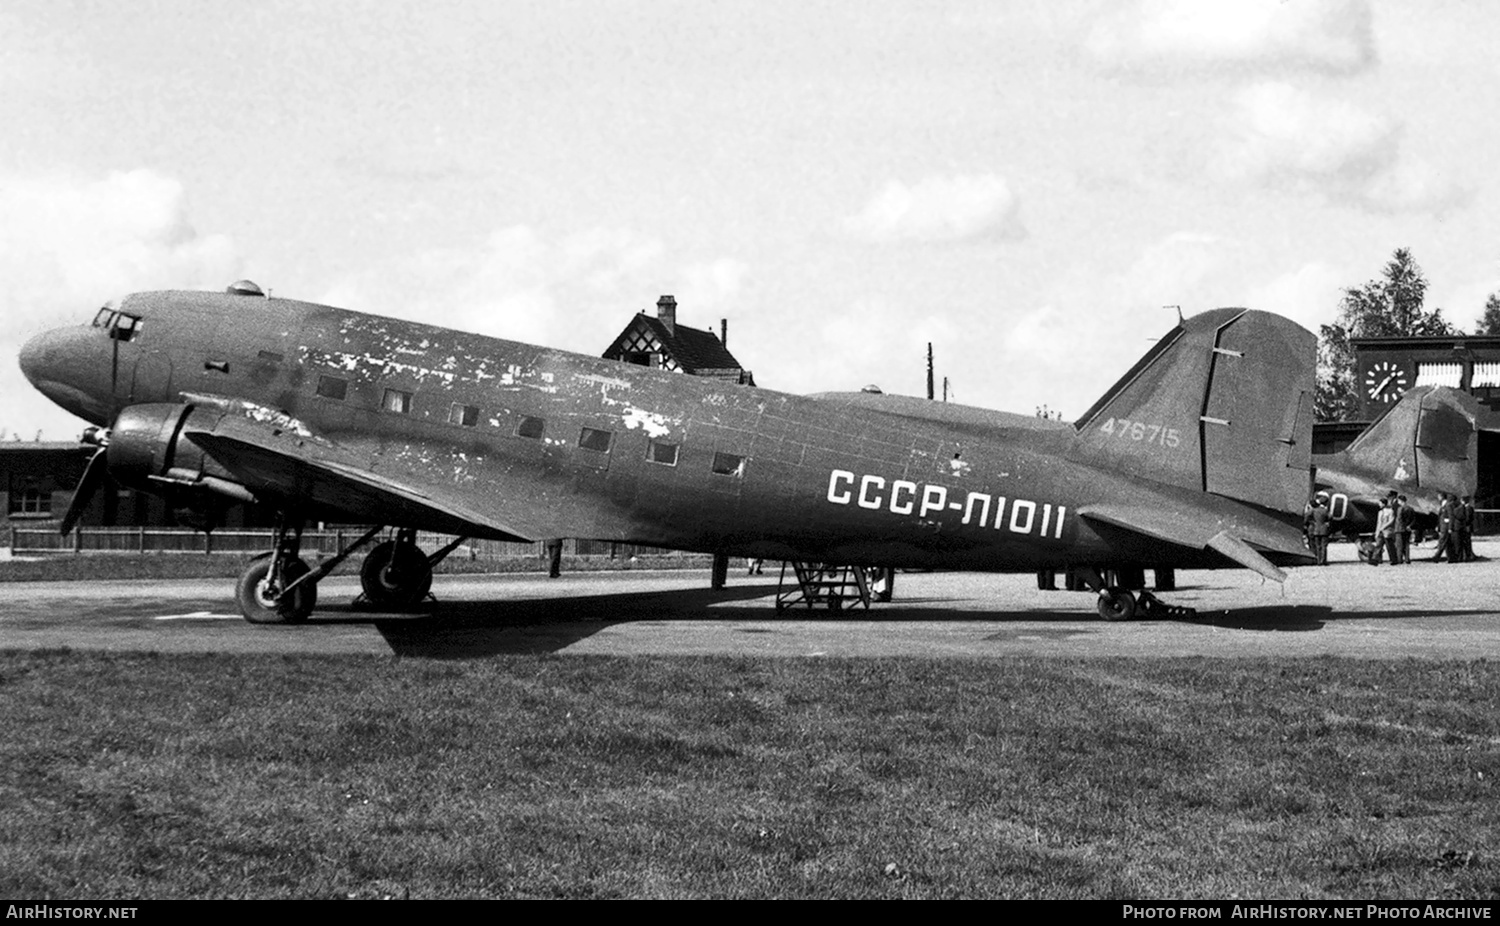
column 663, row 343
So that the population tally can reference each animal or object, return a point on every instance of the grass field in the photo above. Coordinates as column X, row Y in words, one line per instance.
column 208, row 776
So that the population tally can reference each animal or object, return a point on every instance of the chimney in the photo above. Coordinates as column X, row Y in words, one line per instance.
column 724, row 332
column 666, row 310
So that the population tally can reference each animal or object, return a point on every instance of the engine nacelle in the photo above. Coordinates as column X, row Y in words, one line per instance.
column 148, row 452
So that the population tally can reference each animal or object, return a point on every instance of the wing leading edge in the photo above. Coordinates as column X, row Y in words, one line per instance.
column 269, row 465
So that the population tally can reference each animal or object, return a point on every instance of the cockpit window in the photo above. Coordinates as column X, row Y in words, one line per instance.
column 125, row 327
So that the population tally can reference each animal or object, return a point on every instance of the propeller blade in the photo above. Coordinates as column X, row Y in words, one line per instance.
column 93, row 475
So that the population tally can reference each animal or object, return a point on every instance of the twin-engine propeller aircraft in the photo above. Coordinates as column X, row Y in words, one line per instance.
column 1197, row 458
column 1425, row 444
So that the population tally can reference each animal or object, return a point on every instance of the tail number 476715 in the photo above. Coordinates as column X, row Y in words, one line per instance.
column 1141, row 431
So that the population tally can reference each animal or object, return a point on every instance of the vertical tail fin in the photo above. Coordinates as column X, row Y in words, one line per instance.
column 1425, row 442
column 1222, row 404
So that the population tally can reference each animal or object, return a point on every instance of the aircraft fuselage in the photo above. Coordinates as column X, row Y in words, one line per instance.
column 553, row 444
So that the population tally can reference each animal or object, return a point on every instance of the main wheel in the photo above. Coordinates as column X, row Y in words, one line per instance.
column 395, row 574
column 260, row 608
column 1116, row 604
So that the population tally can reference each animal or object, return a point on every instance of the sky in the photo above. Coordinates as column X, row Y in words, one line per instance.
column 1034, row 188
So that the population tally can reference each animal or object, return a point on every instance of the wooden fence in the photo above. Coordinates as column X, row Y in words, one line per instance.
column 31, row 540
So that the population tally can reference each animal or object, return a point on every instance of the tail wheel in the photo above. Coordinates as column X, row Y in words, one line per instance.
column 257, row 604
column 1116, row 604
column 395, row 574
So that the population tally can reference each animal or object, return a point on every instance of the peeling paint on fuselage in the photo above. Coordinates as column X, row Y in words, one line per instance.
column 251, row 410
column 653, row 423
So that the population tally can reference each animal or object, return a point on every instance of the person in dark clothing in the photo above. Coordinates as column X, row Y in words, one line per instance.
column 1463, row 522
column 1406, row 518
column 1315, row 522
column 1385, row 534
column 1445, row 528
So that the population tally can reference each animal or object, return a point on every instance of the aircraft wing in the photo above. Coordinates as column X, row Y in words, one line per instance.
column 271, row 461
column 1236, row 540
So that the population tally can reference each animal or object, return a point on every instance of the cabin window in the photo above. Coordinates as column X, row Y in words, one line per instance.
column 466, row 415
column 594, row 439
column 531, row 427
column 126, row 327
column 397, row 401
column 661, row 452
column 729, row 464
column 331, row 387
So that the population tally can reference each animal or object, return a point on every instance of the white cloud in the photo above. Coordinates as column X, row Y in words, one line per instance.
column 65, row 241
column 1170, row 271
column 940, row 209
column 1308, row 295
column 1329, row 36
column 715, row 282
column 1279, row 135
column 1463, row 302
column 574, row 292
column 1280, row 130
column 68, row 244
column 1038, row 331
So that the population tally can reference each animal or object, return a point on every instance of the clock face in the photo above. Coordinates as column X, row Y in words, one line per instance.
column 1385, row 382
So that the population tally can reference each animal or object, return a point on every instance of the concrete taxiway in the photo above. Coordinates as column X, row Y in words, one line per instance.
column 1425, row 610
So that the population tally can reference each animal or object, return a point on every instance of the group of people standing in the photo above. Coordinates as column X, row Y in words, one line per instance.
column 1455, row 529
column 1394, row 526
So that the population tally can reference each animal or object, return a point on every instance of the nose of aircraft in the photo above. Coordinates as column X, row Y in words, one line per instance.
column 37, row 356
column 62, row 365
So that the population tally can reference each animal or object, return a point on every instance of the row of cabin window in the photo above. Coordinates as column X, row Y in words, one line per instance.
column 593, row 439
column 657, row 451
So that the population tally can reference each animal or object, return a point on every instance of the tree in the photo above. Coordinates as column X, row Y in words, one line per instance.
column 1490, row 322
column 1390, row 306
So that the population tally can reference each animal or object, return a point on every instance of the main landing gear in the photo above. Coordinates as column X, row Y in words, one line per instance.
column 1116, row 600
column 275, row 589
column 396, row 572
column 280, row 588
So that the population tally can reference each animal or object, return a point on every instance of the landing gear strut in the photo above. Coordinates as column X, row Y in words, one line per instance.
column 269, row 591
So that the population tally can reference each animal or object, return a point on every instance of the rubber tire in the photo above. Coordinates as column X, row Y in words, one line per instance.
column 1116, row 604
column 289, row 610
column 411, row 565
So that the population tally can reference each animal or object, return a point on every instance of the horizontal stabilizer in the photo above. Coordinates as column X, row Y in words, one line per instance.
column 1199, row 530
